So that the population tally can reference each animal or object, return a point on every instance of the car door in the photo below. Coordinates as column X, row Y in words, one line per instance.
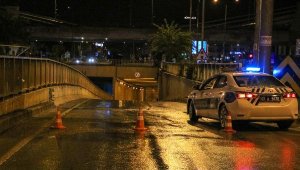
column 215, row 95
column 202, row 98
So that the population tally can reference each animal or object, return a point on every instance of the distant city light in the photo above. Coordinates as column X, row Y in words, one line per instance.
column 99, row 44
column 187, row 17
column 77, row 61
column 91, row 60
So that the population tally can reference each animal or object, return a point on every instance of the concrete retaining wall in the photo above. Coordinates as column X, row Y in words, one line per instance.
column 175, row 88
column 57, row 94
column 117, row 71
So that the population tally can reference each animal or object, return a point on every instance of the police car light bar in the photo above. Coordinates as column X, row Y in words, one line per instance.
column 253, row 69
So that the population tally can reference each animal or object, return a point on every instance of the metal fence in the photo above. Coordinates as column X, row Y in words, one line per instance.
column 19, row 75
column 112, row 62
column 198, row 72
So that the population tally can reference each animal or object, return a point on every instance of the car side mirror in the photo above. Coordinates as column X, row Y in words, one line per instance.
column 197, row 86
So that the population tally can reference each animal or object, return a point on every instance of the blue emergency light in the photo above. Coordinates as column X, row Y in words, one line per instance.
column 253, row 69
column 276, row 72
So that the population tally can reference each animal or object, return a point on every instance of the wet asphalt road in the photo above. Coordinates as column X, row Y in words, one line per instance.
column 100, row 135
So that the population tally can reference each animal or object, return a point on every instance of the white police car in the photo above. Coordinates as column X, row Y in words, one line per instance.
column 247, row 96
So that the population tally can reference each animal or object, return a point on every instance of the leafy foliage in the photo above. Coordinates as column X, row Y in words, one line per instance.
column 170, row 42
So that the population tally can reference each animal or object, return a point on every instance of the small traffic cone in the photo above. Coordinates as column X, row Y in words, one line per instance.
column 58, row 120
column 140, row 125
column 228, row 125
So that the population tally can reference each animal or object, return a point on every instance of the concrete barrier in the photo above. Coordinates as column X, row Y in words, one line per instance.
column 56, row 94
column 12, row 119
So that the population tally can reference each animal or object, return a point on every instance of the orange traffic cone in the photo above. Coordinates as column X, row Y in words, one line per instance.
column 228, row 125
column 58, row 121
column 140, row 125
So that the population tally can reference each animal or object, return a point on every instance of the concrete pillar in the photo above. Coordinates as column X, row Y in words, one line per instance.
column 295, row 26
column 256, row 33
column 263, row 34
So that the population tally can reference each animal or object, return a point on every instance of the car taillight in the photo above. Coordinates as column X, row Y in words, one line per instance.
column 242, row 95
column 290, row 95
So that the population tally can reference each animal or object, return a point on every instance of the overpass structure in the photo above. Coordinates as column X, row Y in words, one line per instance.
column 239, row 29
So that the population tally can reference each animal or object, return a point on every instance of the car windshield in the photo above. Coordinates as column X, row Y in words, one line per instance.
column 257, row 80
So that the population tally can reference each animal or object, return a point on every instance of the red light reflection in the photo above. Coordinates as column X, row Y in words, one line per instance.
column 244, row 160
column 288, row 155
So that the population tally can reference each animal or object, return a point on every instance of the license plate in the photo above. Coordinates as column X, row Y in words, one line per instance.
column 274, row 98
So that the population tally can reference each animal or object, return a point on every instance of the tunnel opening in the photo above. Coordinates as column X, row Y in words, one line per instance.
column 105, row 83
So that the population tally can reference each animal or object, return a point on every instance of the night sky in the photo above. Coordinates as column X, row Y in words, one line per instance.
column 136, row 13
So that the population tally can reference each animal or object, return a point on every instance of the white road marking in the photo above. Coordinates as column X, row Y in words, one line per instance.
column 26, row 140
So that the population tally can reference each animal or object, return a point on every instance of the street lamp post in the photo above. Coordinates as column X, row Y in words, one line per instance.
column 191, row 8
column 225, row 24
column 55, row 9
column 202, row 23
column 152, row 12
column 225, row 28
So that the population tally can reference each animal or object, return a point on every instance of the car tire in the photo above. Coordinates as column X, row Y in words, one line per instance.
column 192, row 113
column 284, row 125
column 222, row 116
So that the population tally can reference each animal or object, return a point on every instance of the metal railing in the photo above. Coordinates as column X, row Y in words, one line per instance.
column 19, row 75
column 199, row 72
column 113, row 62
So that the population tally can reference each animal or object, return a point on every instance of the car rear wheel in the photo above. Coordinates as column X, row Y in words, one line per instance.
column 192, row 113
column 222, row 116
column 284, row 125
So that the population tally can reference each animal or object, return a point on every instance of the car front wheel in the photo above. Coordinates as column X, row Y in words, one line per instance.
column 284, row 125
column 192, row 113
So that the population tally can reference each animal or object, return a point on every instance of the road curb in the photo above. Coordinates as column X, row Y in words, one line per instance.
column 10, row 120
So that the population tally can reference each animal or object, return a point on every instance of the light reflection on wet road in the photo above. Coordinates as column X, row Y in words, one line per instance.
column 100, row 135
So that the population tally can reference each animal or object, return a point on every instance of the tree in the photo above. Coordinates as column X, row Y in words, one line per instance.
column 170, row 42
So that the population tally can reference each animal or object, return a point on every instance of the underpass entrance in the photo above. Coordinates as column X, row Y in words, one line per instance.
column 105, row 83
